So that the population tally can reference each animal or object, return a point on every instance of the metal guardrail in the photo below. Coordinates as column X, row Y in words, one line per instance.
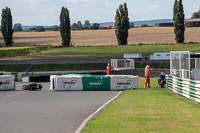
column 184, row 87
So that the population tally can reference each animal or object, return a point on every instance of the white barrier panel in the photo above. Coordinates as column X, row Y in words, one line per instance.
column 67, row 82
column 7, row 82
column 52, row 79
column 123, row 82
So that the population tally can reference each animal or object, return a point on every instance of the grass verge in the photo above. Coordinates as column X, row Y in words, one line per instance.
column 70, row 67
column 146, row 50
column 147, row 110
column 21, row 51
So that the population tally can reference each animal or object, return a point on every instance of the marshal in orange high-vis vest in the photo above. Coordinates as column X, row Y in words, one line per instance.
column 147, row 76
column 109, row 69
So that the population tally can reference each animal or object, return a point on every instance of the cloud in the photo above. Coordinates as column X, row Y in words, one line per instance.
column 106, row 3
column 154, row 7
column 134, row 11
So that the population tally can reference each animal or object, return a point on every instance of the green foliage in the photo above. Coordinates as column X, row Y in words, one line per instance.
column 175, row 10
column 77, row 26
column 196, row 15
column 65, row 31
column 87, row 24
column 18, row 27
column 131, row 25
column 7, row 26
column 38, row 29
column 179, row 21
column 122, row 24
column 95, row 26
column 52, row 28
column 145, row 25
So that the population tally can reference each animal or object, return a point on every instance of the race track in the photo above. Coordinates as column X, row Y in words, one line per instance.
column 48, row 112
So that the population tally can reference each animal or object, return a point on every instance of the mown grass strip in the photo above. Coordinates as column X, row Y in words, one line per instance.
column 21, row 51
column 147, row 110
column 146, row 50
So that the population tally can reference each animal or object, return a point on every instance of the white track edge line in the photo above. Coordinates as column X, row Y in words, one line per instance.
column 85, row 122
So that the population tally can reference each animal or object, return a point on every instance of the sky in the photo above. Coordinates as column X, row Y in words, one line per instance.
column 46, row 12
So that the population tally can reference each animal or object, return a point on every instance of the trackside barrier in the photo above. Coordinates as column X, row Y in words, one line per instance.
column 184, row 87
column 92, row 83
column 7, row 82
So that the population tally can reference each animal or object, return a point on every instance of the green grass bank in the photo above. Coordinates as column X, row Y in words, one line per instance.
column 154, row 110
column 146, row 50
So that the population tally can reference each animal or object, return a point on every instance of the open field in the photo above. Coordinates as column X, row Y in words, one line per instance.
column 154, row 110
column 150, row 35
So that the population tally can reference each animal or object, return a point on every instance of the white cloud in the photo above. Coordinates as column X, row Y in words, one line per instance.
column 106, row 3
column 134, row 11
column 154, row 7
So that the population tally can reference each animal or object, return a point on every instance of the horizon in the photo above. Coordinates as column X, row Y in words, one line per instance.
column 47, row 12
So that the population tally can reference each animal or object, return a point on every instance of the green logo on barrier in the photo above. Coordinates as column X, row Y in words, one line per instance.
column 0, row 84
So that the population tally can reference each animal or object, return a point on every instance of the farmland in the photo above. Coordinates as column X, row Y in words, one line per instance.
column 150, row 35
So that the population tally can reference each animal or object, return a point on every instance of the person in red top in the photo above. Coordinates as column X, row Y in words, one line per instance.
column 109, row 69
column 147, row 76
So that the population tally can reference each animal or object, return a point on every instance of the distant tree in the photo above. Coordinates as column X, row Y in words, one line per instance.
column 175, row 10
column 196, row 15
column 7, row 26
column 65, row 31
column 122, row 24
column 18, row 27
column 54, row 28
column 74, row 26
column 80, row 26
column 95, row 26
column 131, row 25
column 179, row 22
column 145, row 25
column 87, row 24
column 39, row 29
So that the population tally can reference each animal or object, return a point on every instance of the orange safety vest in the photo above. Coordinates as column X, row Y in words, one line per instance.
column 109, row 70
column 147, row 71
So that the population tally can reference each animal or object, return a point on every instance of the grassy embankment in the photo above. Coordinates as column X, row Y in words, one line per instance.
column 147, row 110
column 69, row 67
column 146, row 50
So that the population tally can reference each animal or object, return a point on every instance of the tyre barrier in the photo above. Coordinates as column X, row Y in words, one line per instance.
column 93, row 82
column 7, row 82
column 184, row 87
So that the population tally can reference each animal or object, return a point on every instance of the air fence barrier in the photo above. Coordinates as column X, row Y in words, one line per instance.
column 184, row 87
column 7, row 83
column 87, row 82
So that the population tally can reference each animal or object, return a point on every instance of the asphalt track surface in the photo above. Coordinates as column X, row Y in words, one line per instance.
column 48, row 112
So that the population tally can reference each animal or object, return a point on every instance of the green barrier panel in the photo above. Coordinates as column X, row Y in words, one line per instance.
column 180, row 79
column 192, row 81
column 96, row 83
column 192, row 88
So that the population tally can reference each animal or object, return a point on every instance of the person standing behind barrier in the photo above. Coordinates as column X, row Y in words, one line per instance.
column 109, row 69
column 147, row 76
